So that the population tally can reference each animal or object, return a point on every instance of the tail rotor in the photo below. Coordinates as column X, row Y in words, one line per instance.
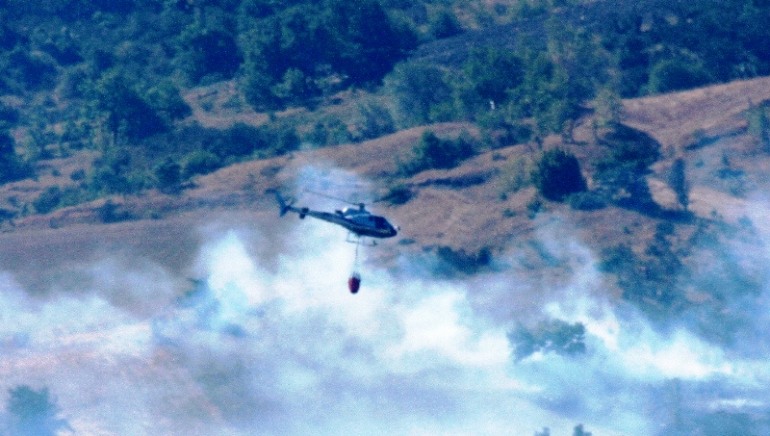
column 283, row 204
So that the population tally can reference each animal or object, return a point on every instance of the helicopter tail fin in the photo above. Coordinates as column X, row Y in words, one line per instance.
column 282, row 203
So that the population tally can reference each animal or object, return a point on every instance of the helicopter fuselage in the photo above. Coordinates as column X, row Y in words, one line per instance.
column 358, row 221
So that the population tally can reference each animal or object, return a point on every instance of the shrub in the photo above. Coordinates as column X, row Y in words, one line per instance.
column 621, row 173
column 11, row 166
column 433, row 152
column 674, row 74
column 586, row 201
column 329, row 130
column 419, row 90
column 127, row 112
column 48, row 200
column 109, row 213
column 8, row 115
column 399, row 194
column 237, row 141
column 464, row 261
column 169, row 176
column 200, row 162
column 557, row 175
column 444, row 24
column 167, row 102
column 374, row 121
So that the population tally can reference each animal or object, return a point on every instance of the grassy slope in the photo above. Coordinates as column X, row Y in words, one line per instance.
column 461, row 208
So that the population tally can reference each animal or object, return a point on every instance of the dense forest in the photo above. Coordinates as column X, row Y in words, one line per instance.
column 109, row 76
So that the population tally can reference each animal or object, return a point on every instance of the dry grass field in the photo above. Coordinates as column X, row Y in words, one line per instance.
column 104, row 314
column 461, row 208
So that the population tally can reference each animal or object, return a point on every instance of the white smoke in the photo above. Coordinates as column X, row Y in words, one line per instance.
column 275, row 344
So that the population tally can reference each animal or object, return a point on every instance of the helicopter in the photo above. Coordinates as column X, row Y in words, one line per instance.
column 357, row 220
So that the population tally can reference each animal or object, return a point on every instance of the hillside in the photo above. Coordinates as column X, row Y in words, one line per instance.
column 580, row 192
column 457, row 223
column 465, row 209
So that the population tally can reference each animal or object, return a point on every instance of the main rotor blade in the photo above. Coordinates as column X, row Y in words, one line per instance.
column 331, row 197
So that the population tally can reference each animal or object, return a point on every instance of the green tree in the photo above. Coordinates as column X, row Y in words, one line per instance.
column 11, row 166
column 489, row 75
column 534, row 97
column 169, row 176
column 677, row 74
column 200, row 162
column 127, row 113
column 48, row 200
column 622, row 172
column 290, row 40
column 167, row 102
column 581, row 67
column 308, row 48
column 421, row 92
column 207, row 48
column 112, row 173
column 25, row 70
column 8, row 116
column 368, row 43
column 374, row 120
column 294, row 88
column 444, row 24
column 237, row 141
column 557, row 174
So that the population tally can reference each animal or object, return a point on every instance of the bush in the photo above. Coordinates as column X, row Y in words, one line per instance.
column 200, row 162
column 11, row 166
column 433, row 152
column 557, row 175
column 674, row 75
column 243, row 140
column 48, row 200
column 128, row 114
column 420, row 90
column 374, row 121
column 167, row 102
column 169, row 176
column 398, row 194
column 490, row 74
column 586, row 201
column 444, row 24
column 621, row 174
column 8, row 115
column 237, row 141
column 109, row 213
column 463, row 261
column 329, row 130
